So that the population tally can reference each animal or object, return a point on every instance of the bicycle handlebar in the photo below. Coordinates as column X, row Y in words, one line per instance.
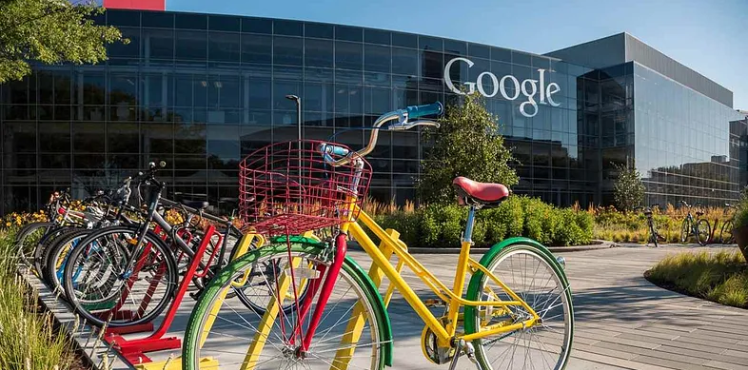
column 416, row 111
column 401, row 115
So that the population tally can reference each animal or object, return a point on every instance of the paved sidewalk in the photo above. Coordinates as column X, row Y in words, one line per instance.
column 623, row 321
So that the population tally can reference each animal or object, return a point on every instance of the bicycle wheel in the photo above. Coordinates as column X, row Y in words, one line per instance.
column 65, row 235
column 725, row 234
column 703, row 231
column 28, row 238
column 685, row 231
column 98, row 287
column 653, row 236
column 41, row 248
column 226, row 329
column 535, row 276
column 257, row 294
column 57, row 257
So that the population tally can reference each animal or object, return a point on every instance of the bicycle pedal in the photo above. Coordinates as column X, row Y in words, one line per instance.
column 434, row 303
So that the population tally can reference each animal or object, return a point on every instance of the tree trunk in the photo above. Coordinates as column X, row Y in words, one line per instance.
column 741, row 237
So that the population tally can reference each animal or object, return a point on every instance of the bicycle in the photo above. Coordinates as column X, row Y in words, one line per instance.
column 726, row 235
column 699, row 227
column 126, row 275
column 652, row 235
column 290, row 188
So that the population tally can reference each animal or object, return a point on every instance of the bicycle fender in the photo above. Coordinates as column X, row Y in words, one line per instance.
column 498, row 247
column 381, row 310
column 473, row 285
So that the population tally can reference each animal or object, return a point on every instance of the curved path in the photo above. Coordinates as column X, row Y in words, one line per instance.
column 623, row 321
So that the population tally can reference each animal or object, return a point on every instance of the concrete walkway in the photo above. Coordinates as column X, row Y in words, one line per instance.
column 623, row 321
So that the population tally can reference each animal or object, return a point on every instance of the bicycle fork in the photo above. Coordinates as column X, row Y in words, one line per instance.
column 341, row 247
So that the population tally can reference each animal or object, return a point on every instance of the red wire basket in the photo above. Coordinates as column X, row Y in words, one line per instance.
column 287, row 188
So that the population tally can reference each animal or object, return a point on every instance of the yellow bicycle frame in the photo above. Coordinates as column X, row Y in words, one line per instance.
column 381, row 266
column 453, row 297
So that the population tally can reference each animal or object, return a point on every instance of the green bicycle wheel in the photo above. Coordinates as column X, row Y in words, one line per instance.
column 228, row 328
column 531, row 272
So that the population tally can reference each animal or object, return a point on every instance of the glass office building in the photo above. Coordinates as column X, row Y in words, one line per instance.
column 202, row 91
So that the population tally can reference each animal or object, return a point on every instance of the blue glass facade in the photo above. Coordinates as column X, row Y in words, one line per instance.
column 688, row 147
column 201, row 91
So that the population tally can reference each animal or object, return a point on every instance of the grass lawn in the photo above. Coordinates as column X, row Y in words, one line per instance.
column 28, row 340
column 719, row 277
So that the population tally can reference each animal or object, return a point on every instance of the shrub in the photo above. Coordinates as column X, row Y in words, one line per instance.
column 534, row 211
column 740, row 220
column 437, row 226
column 442, row 225
column 720, row 277
column 511, row 213
column 408, row 224
column 495, row 224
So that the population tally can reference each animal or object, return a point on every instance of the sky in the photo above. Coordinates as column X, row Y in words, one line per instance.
column 709, row 36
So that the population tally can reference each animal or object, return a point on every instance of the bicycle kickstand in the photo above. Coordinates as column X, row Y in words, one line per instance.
column 464, row 348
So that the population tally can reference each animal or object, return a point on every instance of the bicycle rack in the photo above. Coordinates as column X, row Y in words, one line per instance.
column 134, row 350
column 140, row 328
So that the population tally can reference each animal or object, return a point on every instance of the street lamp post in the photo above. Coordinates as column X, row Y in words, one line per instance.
column 298, row 111
column 297, row 99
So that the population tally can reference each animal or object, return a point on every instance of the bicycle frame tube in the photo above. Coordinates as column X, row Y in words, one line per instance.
column 143, row 229
column 453, row 296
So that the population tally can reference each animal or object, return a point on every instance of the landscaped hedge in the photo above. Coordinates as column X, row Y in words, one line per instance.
column 439, row 226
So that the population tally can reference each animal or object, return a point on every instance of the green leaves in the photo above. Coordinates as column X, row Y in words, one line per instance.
column 467, row 144
column 50, row 32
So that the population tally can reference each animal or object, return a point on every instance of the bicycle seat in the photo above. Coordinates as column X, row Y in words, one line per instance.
column 196, row 204
column 482, row 194
column 699, row 213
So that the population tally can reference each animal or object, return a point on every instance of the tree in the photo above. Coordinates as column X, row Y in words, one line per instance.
column 467, row 144
column 628, row 189
column 51, row 32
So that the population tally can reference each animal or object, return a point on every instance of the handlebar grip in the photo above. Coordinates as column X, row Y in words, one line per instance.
column 416, row 111
column 333, row 149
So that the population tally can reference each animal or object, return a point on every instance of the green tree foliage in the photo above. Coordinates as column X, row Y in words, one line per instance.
column 467, row 144
column 51, row 32
column 628, row 189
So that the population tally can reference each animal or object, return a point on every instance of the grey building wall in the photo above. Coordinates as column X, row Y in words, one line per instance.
column 622, row 48
column 597, row 54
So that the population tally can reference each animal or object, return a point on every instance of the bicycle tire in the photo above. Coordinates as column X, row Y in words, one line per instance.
column 475, row 317
column 65, row 235
column 685, row 231
column 727, row 226
column 26, row 235
column 55, row 261
column 366, row 295
column 246, row 300
column 703, row 231
column 43, row 244
column 654, row 236
column 86, row 305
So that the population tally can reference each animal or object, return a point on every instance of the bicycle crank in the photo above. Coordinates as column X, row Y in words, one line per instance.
column 464, row 348
column 432, row 350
